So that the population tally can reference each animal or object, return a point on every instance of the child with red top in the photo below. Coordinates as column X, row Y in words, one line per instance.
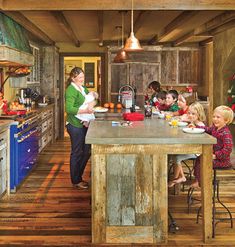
column 160, row 104
column 222, row 117
column 183, row 105
column 196, row 116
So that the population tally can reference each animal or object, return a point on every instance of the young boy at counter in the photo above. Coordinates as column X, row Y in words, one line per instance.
column 160, row 104
column 222, row 117
column 171, row 100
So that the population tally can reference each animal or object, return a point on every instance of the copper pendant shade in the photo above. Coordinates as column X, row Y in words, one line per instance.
column 121, row 56
column 132, row 43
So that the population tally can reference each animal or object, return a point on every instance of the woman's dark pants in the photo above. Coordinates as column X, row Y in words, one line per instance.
column 80, row 152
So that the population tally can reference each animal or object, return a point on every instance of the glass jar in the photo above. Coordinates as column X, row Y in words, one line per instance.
column 148, row 111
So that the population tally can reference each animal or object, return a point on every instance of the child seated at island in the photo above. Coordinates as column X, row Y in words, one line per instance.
column 89, row 103
column 153, row 89
column 183, row 105
column 222, row 117
column 196, row 116
column 160, row 104
column 171, row 100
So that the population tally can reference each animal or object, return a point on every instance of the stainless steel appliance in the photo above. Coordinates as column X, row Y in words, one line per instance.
column 127, row 96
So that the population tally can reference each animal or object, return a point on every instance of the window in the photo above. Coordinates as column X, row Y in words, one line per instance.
column 34, row 76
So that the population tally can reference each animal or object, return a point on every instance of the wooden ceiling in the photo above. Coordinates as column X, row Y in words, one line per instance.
column 174, row 22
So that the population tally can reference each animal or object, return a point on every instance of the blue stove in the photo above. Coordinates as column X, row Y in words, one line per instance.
column 24, row 137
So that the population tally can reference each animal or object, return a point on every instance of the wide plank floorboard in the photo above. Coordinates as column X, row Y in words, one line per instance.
column 48, row 211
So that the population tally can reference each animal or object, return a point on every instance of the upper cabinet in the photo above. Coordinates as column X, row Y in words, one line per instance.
column 171, row 66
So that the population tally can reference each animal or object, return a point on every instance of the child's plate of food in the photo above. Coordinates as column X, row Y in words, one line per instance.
column 193, row 130
column 100, row 109
column 182, row 124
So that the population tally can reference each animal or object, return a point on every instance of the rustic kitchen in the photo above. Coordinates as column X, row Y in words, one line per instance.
column 186, row 46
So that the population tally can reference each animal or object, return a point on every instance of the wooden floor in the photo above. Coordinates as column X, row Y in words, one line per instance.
column 46, row 210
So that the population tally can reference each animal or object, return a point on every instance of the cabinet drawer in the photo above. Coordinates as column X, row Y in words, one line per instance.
column 44, row 126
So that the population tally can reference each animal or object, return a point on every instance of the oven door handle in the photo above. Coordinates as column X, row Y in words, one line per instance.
column 25, row 137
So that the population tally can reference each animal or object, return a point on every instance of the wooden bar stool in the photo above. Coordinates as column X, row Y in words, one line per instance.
column 216, row 199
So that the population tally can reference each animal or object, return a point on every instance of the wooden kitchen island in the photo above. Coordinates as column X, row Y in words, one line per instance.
column 129, row 179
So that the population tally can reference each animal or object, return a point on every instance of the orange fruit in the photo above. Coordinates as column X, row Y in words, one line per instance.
column 106, row 105
column 119, row 106
column 111, row 105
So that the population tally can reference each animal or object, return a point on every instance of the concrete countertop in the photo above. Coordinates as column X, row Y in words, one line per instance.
column 149, row 131
column 4, row 124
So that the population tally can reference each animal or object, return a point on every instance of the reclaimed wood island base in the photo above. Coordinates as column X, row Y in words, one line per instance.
column 129, row 179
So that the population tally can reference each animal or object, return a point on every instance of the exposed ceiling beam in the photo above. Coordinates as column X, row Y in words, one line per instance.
column 223, row 28
column 206, row 28
column 28, row 25
column 101, row 27
column 205, row 42
column 142, row 16
column 173, row 27
column 117, row 5
column 66, row 27
column 215, row 22
column 191, row 37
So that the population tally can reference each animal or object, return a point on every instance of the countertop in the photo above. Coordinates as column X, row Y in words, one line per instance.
column 149, row 131
column 4, row 124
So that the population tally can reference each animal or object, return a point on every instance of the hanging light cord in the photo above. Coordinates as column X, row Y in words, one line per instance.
column 132, row 16
column 122, row 27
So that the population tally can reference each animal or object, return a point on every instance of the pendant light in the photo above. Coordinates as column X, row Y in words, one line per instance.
column 121, row 56
column 132, row 43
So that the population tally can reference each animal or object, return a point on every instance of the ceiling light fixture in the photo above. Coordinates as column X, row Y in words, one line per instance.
column 121, row 56
column 132, row 43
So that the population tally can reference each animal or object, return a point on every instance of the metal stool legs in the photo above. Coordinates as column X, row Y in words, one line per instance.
column 216, row 199
column 172, row 227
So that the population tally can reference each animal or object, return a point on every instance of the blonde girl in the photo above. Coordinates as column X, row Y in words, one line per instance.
column 196, row 116
column 222, row 117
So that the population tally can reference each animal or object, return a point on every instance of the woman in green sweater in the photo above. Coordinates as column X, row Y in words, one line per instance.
column 80, row 152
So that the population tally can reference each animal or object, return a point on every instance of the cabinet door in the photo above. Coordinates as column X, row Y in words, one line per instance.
column 119, row 77
column 141, row 74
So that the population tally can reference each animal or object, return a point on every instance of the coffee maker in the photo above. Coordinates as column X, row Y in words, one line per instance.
column 25, row 97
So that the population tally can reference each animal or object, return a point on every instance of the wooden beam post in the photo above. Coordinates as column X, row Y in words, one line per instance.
column 66, row 26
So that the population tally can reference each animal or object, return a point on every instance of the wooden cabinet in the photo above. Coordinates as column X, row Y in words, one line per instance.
column 46, row 127
column 3, row 161
column 170, row 66
column 137, row 74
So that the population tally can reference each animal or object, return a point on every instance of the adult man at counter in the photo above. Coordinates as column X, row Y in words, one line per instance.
column 80, row 152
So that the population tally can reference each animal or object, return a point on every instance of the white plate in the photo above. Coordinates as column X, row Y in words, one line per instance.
column 193, row 130
column 99, row 109
column 42, row 104
column 182, row 124
column 156, row 112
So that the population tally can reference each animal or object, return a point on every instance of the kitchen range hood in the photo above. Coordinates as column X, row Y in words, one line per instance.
column 14, row 45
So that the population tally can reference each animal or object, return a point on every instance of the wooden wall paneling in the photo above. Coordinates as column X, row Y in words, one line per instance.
column 99, row 197
column 114, row 166
column 160, row 198
column 206, row 169
column 121, row 189
column 169, row 67
column 144, row 191
column 184, row 67
column 119, row 74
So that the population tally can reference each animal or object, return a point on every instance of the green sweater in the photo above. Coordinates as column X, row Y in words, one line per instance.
column 73, row 100
column 174, row 107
